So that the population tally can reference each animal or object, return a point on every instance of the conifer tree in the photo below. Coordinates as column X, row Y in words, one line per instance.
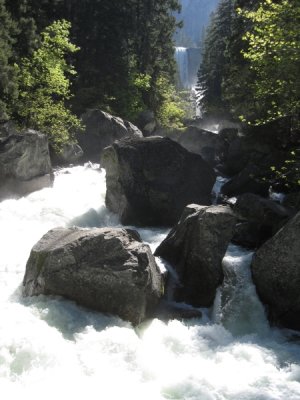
column 8, row 84
column 215, row 58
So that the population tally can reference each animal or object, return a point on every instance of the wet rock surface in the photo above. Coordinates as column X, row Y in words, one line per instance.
column 106, row 269
column 151, row 180
column 101, row 130
column 195, row 248
column 276, row 274
column 25, row 163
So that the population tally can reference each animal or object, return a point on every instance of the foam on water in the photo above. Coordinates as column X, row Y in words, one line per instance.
column 52, row 348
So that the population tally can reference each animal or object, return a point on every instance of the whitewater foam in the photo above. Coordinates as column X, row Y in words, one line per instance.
column 52, row 348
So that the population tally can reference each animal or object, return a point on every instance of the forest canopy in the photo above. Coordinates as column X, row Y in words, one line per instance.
column 118, row 56
column 251, row 61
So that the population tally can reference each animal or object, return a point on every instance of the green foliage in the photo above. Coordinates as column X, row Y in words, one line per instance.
column 171, row 112
column 44, row 86
column 8, row 84
column 287, row 176
column 215, row 58
column 251, row 60
column 152, row 46
column 119, row 40
column 274, row 56
column 125, row 48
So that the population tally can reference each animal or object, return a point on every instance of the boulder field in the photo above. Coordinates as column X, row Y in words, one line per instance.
column 163, row 181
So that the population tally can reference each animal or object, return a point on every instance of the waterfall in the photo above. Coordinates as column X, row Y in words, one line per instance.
column 181, row 56
column 237, row 306
column 52, row 347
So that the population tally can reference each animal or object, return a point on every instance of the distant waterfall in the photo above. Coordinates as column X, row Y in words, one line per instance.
column 188, row 61
column 181, row 56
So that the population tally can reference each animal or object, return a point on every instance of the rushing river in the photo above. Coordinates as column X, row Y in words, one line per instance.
column 51, row 348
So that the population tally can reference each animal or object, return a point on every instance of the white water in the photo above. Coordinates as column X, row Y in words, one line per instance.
column 51, row 348
column 181, row 57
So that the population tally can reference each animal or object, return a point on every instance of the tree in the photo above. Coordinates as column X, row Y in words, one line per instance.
column 126, row 49
column 215, row 58
column 8, row 81
column 152, row 44
column 274, row 56
column 44, row 86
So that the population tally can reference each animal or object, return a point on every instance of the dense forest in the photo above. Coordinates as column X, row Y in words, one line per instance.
column 250, row 73
column 62, row 57
column 251, row 61
column 59, row 58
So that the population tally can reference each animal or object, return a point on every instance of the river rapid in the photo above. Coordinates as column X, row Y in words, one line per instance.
column 50, row 348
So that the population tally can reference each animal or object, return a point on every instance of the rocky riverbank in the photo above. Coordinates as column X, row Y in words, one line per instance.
column 158, row 181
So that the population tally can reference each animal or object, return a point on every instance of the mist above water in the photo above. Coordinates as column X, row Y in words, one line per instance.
column 52, row 348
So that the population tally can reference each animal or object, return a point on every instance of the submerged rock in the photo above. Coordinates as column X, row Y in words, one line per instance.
column 276, row 274
column 167, row 311
column 195, row 248
column 101, row 130
column 151, row 180
column 105, row 269
column 24, row 163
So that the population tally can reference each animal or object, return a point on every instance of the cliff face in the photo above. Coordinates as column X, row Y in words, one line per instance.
column 195, row 16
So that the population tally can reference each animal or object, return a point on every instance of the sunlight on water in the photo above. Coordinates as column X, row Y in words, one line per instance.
column 51, row 348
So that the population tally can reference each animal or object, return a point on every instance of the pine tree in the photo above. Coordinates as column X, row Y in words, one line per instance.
column 8, row 84
column 215, row 58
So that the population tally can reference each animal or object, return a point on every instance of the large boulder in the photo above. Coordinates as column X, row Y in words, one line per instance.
column 105, row 269
column 228, row 134
column 243, row 151
column 70, row 153
column 151, row 180
column 24, row 163
column 210, row 146
column 101, row 130
column 276, row 274
column 147, row 122
column 195, row 248
column 250, row 180
column 292, row 201
column 260, row 219
column 6, row 129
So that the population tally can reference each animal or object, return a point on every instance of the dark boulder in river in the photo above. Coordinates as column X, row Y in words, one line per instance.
column 260, row 219
column 195, row 247
column 24, row 163
column 276, row 274
column 71, row 153
column 151, row 180
column 105, row 269
column 249, row 180
column 101, row 130
column 210, row 146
